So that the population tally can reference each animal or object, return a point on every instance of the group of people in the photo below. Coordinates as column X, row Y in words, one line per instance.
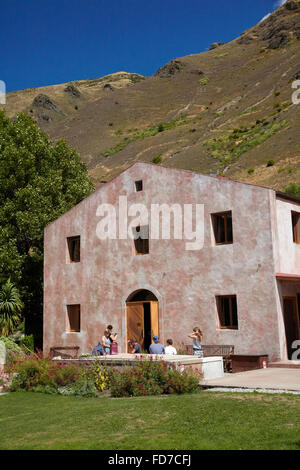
column 108, row 343
column 157, row 348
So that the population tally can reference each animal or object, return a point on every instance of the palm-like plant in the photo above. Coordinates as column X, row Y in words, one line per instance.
column 10, row 308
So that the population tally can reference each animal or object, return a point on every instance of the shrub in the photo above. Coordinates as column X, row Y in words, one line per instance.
column 101, row 376
column 157, row 159
column 36, row 369
column 151, row 378
column 11, row 346
column 27, row 343
column 204, row 81
column 250, row 171
column 277, row 93
column 270, row 163
column 293, row 189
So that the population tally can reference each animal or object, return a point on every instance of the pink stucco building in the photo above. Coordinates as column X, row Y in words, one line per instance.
column 241, row 286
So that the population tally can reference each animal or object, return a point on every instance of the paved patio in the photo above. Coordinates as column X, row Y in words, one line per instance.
column 270, row 378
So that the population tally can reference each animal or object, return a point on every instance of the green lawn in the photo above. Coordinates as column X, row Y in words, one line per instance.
column 203, row 420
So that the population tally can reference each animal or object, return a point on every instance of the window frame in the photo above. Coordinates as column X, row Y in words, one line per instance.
column 71, row 249
column 296, row 227
column 141, row 183
column 221, row 313
column 70, row 322
column 214, row 217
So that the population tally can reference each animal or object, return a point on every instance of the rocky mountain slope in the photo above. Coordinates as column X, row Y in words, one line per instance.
column 228, row 110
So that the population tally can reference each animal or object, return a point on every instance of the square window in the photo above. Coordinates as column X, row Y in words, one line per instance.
column 73, row 312
column 222, row 227
column 139, row 185
column 141, row 239
column 296, row 226
column 227, row 311
column 73, row 249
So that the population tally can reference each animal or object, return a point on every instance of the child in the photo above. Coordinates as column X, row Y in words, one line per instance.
column 106, row 343
column 196, row 336
column 169, row 349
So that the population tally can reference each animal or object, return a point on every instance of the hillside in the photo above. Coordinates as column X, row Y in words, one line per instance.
column 227, row 110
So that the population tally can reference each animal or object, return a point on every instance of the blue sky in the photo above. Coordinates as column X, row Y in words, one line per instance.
column 44, row 42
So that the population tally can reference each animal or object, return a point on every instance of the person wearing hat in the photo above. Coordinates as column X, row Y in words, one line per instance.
column 156, row 347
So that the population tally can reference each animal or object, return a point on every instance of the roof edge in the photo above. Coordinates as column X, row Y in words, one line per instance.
column 288, row 197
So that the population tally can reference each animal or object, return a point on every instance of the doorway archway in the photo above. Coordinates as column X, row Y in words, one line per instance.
column 142, row 312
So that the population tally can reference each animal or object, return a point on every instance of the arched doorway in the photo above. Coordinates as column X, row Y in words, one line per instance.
column 142, row 317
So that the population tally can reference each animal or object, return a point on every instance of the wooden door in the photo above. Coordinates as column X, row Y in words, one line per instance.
column 154, row 319
column 135, row 322
column 290, row 322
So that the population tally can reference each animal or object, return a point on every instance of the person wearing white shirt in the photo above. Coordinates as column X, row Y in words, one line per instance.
column 169, row 349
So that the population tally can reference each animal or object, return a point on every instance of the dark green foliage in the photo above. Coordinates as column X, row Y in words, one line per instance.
column 27, row 343
column 293, row 189
column 270, row 163
column 10, row 308
column 38, row 183
column 157, row 159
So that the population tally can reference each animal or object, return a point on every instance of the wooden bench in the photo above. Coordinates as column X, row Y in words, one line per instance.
column 56, row 351
column 225, row 350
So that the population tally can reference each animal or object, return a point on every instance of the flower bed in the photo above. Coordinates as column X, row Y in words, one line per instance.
column 38, row 372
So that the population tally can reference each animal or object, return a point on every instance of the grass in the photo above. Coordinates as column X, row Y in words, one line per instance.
column 204, row 81
column 197, row 421
column 218, row 56
column 147, row 132
column 228, row 148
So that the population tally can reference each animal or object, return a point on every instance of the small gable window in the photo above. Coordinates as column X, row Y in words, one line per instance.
column 139, row 185
column 73, row 249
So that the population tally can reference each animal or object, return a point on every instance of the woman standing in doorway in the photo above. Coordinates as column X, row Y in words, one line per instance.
column 197, row 336
column 106, row 343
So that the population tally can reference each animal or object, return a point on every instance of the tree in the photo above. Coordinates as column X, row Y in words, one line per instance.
column 39, row 181
column 10, row 308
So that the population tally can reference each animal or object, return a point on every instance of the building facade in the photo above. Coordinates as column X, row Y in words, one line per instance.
column 241, row 285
